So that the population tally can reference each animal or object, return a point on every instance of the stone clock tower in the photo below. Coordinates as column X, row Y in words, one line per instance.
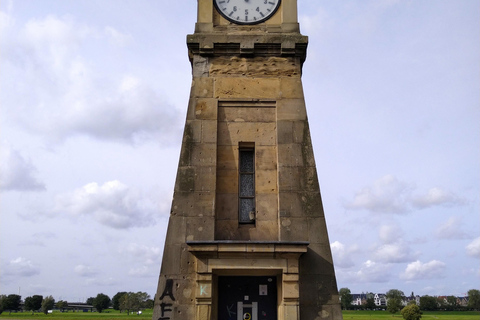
column 247, row 237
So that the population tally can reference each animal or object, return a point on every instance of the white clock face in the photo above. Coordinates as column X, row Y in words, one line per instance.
column 247, row 11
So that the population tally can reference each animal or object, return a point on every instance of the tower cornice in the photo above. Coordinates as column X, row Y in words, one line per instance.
column 256, row 44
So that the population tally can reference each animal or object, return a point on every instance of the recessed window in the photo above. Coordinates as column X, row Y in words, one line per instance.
column 246, row 185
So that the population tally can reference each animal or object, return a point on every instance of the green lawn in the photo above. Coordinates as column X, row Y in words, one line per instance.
column 147, row 314
column 427, row 315
column 57, row 315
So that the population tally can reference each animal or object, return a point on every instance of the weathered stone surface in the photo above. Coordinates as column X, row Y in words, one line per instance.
column 256, row 67
column 246, row 88
column 247, row 93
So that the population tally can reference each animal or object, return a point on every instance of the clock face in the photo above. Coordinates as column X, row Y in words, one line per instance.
column 247, row 11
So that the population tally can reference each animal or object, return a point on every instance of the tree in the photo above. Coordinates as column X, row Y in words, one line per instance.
column 116, row 300
column 11, row 302
column 101, row 302
column 452, row 303
column 148, row 304
column 428, row 303
column 411, row 312
column 143, row 298
column 62, row 305
column 2, row 299
column 90, row 301
column 370, row 303
column 474, row 299
column 33, row 303
column 47, row 304
column 345, row 298
column 394, row 300
column 129, row 302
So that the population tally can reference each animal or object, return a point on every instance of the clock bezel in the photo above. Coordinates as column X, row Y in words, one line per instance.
column 247, row 23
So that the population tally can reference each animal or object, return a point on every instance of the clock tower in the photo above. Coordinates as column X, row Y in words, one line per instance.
column 247, row 237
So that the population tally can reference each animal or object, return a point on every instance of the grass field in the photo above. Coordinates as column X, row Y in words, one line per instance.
column 437, row 315
column 147, row 314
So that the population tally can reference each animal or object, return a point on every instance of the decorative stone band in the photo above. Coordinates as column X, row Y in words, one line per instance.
column 214, row 44
column 247, row 249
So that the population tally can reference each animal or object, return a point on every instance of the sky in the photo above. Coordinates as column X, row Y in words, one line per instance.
column 93, row 98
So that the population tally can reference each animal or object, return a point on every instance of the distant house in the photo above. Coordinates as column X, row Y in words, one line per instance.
column 462, row 301
column 380, row 299
column 359, row 299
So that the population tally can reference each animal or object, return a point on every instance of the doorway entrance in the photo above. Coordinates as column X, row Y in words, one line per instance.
column 247, row 298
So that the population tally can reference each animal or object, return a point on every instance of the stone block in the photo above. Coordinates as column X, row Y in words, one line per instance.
column 187, row 262
column 171, row 259
column 299, row 128
column 205, row 178
column 291, row 312
column 285, row 131
column 317, row 260
column 200, row 228
column 309, row 179
column 246, row 114
column 204, row 154
column 209, row 131
column 206, row 109
column 224, row 136
column 226, row 206
column 231, row 133
column 293, row 229
column 290, row 204
column 204, row 204
column 290, row 155
column 194, row 131
column 292, row 265
column 311, row 202
column 227, row 157
column 183, row 204
column 291, row 109
column 290, row 290
column 227, row 181
column 289, row 178
column 247, row 88
column 226, row 229
column 264, row 231
column 185, row 181
column 291, row 88
column 202, row 87
column 266, row 158
column 317, row 231
column 266, row 206
column 266, row 181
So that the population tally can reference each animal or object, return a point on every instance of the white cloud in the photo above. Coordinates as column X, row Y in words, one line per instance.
column 390, row 195
column 418, row 270
column 372, row 271
column 21, row 267
column 57, row 91
column 17, row 173
column 437, row 197
column 140, row 272
column 342, row 255
column 393, row 253
column 85, row 271
column 451, row 229
column 147, row 255
column 386, row 195
column 112, row 204
column 473, row 248
column 390, row 233
column 116, row 37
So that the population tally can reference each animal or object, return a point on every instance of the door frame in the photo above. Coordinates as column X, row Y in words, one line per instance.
column 218, row 258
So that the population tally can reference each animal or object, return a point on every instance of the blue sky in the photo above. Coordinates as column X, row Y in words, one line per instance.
column 94, row 96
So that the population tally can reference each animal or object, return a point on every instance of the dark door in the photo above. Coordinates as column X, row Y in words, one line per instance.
column 249, row 297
